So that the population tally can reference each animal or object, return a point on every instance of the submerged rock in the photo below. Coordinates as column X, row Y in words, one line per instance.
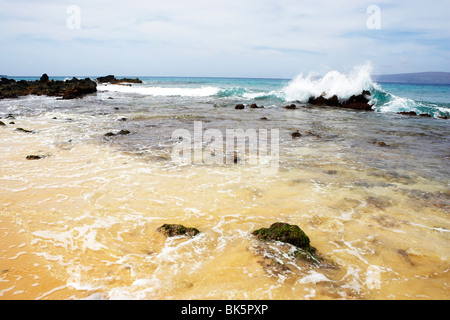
column 34, row 157
column 24, row 130
column 172, row 230
column 121, row 132
column 291, row 107
column 380, row 143
column 296, row 134
column 239, row 106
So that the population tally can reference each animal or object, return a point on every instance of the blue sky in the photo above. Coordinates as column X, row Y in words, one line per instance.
column 233, row 38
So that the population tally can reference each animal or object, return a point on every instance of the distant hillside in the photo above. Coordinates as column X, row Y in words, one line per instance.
column 420, row 78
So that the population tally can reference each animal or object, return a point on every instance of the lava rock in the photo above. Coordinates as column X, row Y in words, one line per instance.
column 113, row 80
column 409, row 113
column 69, row 89
column 357, row 102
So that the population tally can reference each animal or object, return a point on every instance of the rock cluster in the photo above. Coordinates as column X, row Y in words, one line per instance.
column 113, row 80
column 68, row 89
column 357, row 102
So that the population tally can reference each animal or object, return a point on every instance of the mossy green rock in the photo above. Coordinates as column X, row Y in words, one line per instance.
column 171, row 230
column 284, row 232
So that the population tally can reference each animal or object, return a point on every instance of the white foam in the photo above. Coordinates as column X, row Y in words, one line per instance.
column 162, row 91
column 333, row 83
column 313, row 277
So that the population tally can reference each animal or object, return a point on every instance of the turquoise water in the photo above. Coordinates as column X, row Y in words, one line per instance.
column 386, row 97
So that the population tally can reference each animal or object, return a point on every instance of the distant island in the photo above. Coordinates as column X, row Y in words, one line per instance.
column 417, row 78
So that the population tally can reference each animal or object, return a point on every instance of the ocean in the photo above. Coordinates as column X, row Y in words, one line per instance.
column 370, row 189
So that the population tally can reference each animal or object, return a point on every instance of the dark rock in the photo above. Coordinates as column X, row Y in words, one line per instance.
column 113, row 80
column 322, row 101
column 2, row 123
column 239, row 106
column 310, row 133
column 284, row 232
column 264, row 118
column 44, row 78
column 12, row 122
column 291, row 107
column 293, row 235
column 171, row 230
column 255, row 106
column 123, row 119
column 357, row 102
column 24, row 130
column 34, row 157
column 443, row 117
column 121, row 132
column 296, row 134
column 380, row 143
column 409, row 113
column 69, row 89
column 425, row 115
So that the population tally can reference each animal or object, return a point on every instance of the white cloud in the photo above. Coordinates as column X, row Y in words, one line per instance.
column 240, row 38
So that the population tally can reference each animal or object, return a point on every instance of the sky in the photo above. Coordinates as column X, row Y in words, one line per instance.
column 232, row 38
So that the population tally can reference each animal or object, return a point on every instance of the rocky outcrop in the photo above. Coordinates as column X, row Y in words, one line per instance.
column 407, row 113
column 283, row 232
column 290, row 234
column 357, row 102
column 113, row 80
column 68, row 89
column 172, row 230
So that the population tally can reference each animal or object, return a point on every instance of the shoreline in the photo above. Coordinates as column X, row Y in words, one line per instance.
column 92, row 210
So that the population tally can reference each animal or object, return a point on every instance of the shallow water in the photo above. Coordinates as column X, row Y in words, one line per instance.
column 81, row 222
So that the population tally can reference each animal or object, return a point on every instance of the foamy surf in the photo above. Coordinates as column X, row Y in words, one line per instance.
column 162, row 91
column 342, row 85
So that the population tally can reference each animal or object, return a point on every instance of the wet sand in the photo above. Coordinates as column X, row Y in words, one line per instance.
column 81, row 222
